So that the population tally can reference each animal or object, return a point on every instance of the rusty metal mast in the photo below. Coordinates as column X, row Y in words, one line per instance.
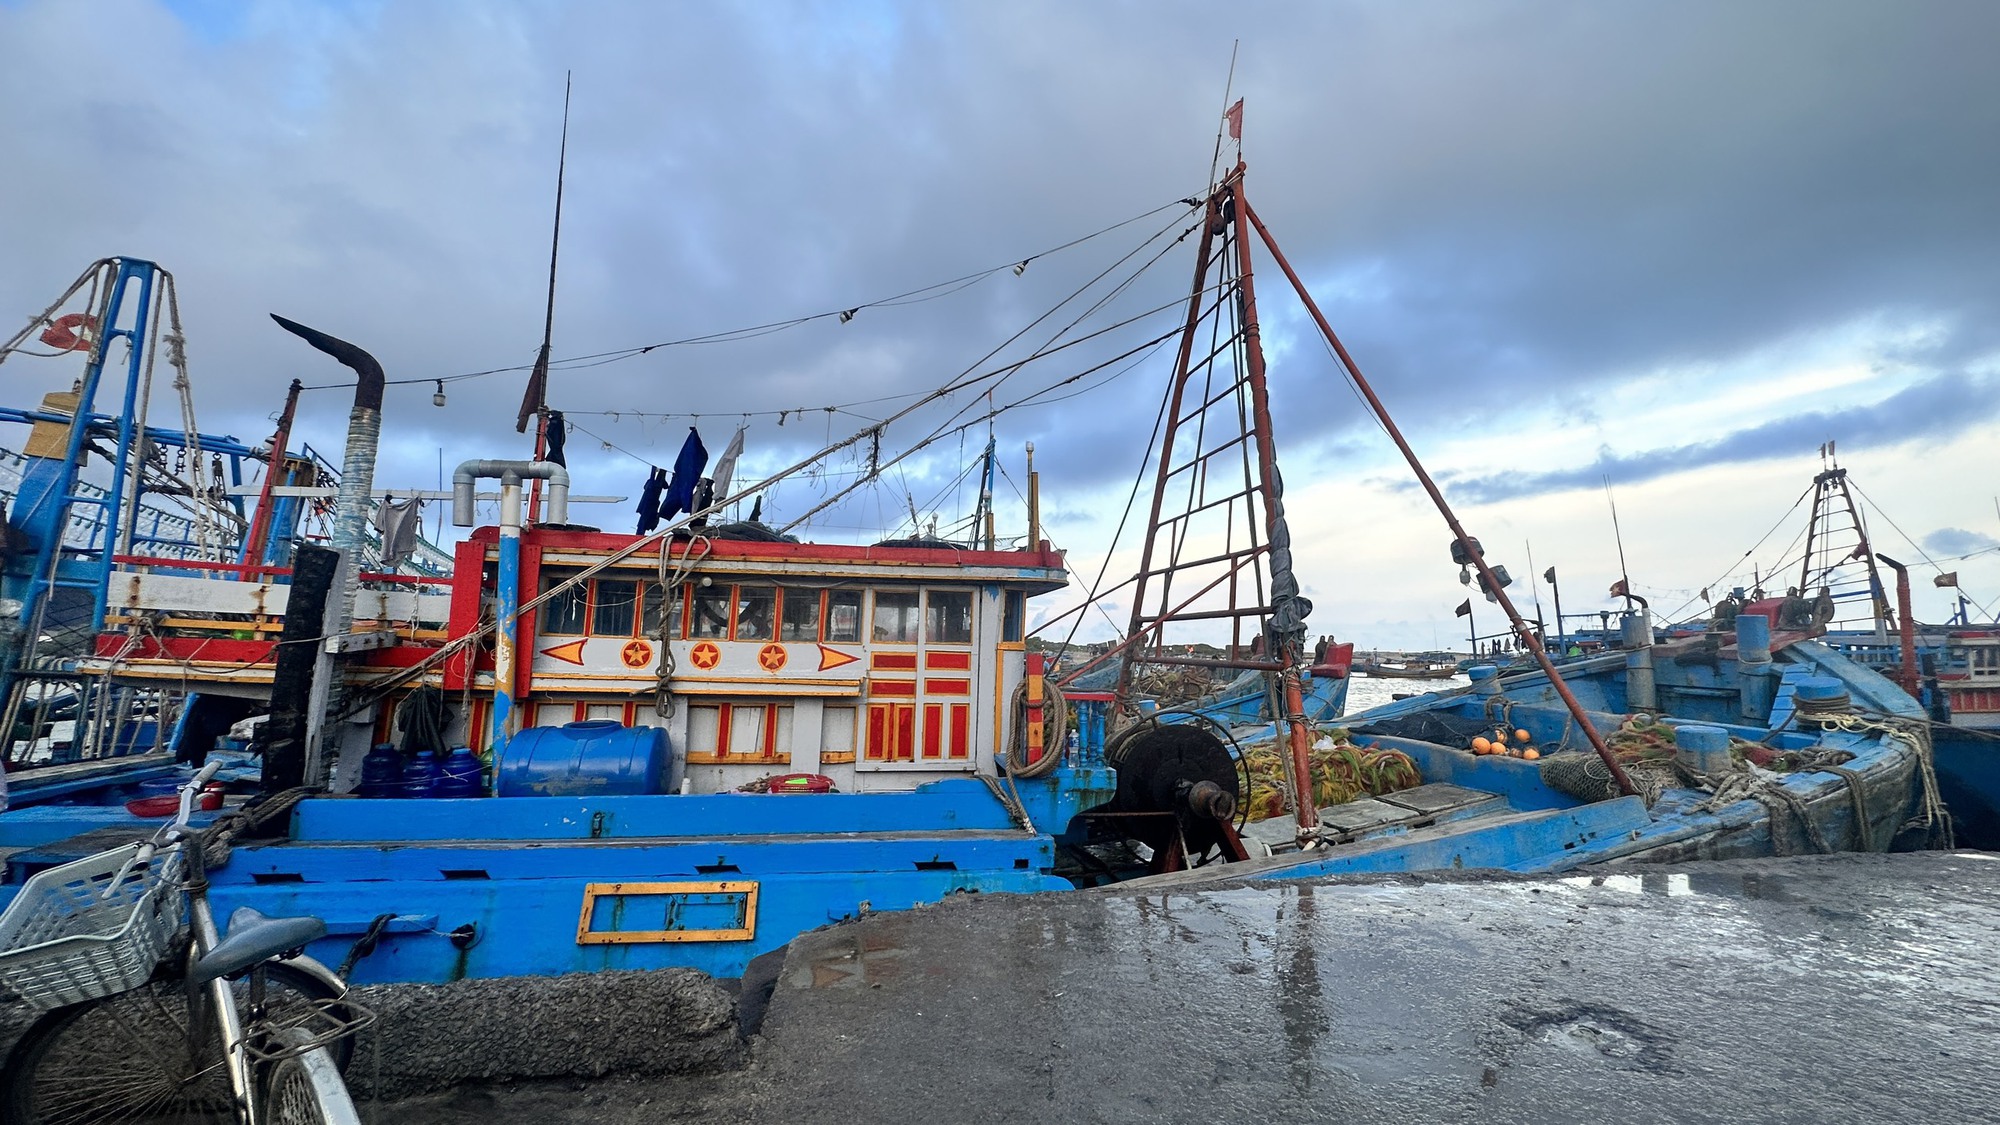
column 1227, row 476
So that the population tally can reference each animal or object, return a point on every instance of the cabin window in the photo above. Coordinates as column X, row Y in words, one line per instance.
column 711, row 611
column 949, row 620
column 565, row 613
column 756, row 610
column 661, row 602
column 843, row 615
column 801, row 621
column 1013, row 615
column 720, row 733
column 836, row 734
column 554, row 714
column 896, row 616
column 615, row 610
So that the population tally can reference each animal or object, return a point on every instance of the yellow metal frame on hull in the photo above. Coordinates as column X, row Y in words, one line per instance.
column 594, row 891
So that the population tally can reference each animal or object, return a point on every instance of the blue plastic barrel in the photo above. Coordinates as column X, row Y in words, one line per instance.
column 461, row 775
column 382, row 772
column 421, row 776
column 596, row 757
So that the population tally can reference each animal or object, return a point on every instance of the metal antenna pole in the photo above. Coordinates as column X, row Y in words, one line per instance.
column 537, row 401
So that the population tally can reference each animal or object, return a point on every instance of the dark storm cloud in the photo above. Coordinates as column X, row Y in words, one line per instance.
column 1497, row 203
column 1934, row 410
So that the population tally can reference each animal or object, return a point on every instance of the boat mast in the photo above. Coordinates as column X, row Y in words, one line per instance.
column 536, row 401
column 1527, row 636
column 1196, row 456
column 1832, row 497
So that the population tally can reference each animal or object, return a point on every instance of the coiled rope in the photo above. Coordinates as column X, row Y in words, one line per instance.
column 1055, row 727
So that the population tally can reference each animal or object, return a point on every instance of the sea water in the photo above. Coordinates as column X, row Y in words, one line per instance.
column 1364, row 692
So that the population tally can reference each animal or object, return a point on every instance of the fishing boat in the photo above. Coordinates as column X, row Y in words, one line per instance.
column 1837, row 588
column 686, row 745
column 1398, row 666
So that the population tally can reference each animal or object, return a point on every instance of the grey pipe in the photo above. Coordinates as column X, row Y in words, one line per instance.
column 509, row 473
column 1636, row 633
column 350, row 519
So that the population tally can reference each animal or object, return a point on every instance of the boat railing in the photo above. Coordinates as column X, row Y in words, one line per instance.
column 174, row 595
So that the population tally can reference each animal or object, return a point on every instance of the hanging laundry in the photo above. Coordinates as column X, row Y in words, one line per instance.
column 687, row 472
column 558, row 433
column 398, row 524
column 704, row 495
column 725, row 465
column 649, row 500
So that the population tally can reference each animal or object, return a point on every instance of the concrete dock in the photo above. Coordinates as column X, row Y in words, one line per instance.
column 1855, row 988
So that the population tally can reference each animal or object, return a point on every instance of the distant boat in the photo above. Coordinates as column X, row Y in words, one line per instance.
column 1405, row 668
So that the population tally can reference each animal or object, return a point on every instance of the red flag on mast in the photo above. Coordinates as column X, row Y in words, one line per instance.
column 1235, row 119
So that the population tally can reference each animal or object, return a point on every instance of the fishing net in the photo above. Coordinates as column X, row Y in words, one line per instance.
column 1646, row 748
column 1441, row 727
column 1340, row 772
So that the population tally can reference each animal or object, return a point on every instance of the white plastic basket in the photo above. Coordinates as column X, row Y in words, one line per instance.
column 63, row 940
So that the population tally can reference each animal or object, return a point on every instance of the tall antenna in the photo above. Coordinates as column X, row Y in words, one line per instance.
column 536, row 401
column 1228, row 88
column 1624, row 576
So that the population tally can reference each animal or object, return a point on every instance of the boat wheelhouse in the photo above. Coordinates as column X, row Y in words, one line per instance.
column 879, row 667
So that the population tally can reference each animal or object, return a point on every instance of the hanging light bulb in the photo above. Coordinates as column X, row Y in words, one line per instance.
column 437, row 399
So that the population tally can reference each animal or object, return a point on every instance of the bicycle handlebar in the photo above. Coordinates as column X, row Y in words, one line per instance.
column 170, row 833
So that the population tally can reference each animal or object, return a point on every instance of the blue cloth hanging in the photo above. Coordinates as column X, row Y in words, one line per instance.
column 553, row 439
column 687, row 475
column 649, row 500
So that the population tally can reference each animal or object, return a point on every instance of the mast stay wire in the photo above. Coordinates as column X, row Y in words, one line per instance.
column 732, row 335
column 1870, row 501
column 1724, row 576
column 1048, row 347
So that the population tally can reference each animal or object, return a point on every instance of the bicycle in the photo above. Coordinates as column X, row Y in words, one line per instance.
column 150, row 1014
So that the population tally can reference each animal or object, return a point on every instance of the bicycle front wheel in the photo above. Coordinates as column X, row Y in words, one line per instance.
column 306, row 1089
column 131, row 1058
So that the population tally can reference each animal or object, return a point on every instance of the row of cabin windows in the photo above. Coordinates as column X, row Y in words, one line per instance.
column 613, row 607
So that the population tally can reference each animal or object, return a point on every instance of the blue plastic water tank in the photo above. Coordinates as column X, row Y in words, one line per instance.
column 596, row 757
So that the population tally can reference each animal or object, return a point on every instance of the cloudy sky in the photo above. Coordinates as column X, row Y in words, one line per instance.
column 1675, row 246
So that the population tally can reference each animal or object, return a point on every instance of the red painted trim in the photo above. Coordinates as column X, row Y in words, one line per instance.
column 948, row 661
column 877, row 749
column 933, row 730
column 1046, row 557
column 469, row 563
column 906, row 734
column 904, row 688
column 893, row 662
column 961, row 729
column 939, row 685
column 220, row 650
column 525, row 628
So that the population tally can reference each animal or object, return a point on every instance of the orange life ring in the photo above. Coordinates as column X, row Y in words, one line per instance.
column 62, row 334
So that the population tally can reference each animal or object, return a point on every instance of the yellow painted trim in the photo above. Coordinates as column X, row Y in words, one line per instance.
column 593, row 891
column 836, row 758
column 698, row 759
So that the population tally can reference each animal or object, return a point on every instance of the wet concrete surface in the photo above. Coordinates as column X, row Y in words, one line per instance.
column 1849, row 988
